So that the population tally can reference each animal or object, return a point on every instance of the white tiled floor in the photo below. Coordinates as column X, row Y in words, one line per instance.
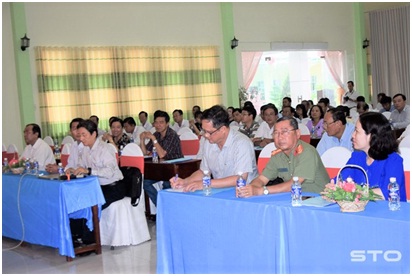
column 36, row 259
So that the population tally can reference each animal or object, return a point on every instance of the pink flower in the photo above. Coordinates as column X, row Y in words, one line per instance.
column 331, row 186
column 349, row 187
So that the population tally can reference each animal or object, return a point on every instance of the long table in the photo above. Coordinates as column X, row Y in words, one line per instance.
column 264, row 234
column 46, row 207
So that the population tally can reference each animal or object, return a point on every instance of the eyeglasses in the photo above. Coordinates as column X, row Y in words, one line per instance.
column 213, row 132
column 328, row 124
column 284, row 132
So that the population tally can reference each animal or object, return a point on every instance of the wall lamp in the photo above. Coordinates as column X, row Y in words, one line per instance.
column 234, row 43
column 25, row 42
column 365, row 43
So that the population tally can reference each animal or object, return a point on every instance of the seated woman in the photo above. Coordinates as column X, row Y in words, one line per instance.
column 376, row 152
column 300, row 112
column 315, row 125
column 116, row 137
column 97, row 159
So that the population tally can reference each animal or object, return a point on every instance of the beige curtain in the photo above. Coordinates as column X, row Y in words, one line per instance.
column 390, row 46
column 122, row 81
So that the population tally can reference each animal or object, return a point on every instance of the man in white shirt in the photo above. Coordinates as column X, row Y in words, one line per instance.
column 400, row 117
column 264, row 133
column 349, row 98
column 95, row 119
column 76, row 148
column 143, row 120
column 179, row 121
column 226, row 153
column 36, row 148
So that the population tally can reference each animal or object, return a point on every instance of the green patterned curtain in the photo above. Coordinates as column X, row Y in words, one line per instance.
column 122, row 81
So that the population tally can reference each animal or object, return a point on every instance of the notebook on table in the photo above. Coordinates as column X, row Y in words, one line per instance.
column 56, row 176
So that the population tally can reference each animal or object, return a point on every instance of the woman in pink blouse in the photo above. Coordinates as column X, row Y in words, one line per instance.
column 315, row 125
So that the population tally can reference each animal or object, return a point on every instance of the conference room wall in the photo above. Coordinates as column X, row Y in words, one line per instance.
column 161, row 24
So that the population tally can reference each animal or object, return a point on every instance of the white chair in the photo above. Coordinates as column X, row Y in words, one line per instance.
column 49, row 141
column 387, row 114
column 122, row 224
column 113, row 149
column 264, row 156
column 334, row 159
column 304, row 133
column 305, row 120
column 12, row 152
column 189, row 143
column 64, row 157
column 183, row 130
column 406, row 153
column 67, row 139
column 4, row 154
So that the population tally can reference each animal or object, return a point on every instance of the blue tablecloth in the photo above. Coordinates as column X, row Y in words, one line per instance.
column 264, row 234
column 46, row 206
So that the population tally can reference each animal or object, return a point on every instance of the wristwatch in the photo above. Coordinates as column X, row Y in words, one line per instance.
column 154, row 141
column 265, row 190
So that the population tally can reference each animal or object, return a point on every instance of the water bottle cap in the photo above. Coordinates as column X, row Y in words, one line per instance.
column 239, row 173
column 392, row 179
column 60, row 164
column 295, row 178
column 205, row 172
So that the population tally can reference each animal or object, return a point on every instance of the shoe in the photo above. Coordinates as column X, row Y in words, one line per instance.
column 77, row 243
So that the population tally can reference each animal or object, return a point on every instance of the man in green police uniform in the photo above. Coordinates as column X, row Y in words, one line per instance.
column 292, row 157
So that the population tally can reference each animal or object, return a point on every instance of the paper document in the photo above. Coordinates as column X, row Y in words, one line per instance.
column 317, row 201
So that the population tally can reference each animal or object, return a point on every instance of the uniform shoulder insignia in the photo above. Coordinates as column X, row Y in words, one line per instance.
column 276, row 151
column 298, row 150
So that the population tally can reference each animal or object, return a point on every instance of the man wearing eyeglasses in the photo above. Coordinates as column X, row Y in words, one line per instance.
column 293, row 157
column 337, row 131
column 225, row 153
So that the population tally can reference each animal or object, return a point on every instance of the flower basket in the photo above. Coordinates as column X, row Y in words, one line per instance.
column 352, row 206
column 18, row 170
column 350, row 196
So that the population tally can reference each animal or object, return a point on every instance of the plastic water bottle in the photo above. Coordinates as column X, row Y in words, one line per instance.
column 207, row 190
column 240, row 182
column 5, row 165
column 155, row 156
column 27, row 165
column 393, row 195
column 296, row 192
column 121, row 150
column 35, row 170
column 57, row 151
column 61, row 169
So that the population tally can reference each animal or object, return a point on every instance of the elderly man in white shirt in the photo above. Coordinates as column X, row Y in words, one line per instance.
column 400, row 117
column 36, row 148
column 264, row 133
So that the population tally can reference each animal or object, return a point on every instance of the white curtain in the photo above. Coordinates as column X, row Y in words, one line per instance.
column 390, row 55
column 333, row 60
column 250, row 63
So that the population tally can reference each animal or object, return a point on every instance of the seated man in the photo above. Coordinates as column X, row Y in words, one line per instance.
column 179, row 121
column 237, row 117
column 129, row 125
column 143, row 120
column 95, row 119
column 249, row 125
column 337, row 131
column 293, row 157
column 225, row 153
column 400, row 117
column 264, row 133
column 386, row 103
column 167, row 144
column 36, row 148
column 75, row 149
